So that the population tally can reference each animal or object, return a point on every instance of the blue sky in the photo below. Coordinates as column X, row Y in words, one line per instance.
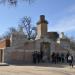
column 59, row 13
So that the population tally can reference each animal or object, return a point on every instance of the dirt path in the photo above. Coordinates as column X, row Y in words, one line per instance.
column 36, row 70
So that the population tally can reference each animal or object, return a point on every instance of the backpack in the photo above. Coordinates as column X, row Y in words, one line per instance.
column 69, row 58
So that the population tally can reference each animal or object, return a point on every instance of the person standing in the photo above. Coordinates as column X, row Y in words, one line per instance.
column 38, row 57
column 41, row 55
column 34, row 58
column 67, row 55
column 62, row 57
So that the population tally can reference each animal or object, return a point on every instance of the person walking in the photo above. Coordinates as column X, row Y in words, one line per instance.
column 70, row 60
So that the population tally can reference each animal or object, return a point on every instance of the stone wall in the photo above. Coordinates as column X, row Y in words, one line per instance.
column 12, row 55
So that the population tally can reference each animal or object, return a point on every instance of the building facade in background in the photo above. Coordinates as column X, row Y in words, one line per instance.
column 18, row 49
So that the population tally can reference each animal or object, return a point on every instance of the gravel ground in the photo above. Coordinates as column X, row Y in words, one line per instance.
column 45, row 69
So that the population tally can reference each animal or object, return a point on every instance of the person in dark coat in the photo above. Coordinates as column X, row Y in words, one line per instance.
column 57, row 57
column 52, row 56
column 38, row 57
column 35, row 57
column 41, row 55
column 62, row 58
column 67, row 56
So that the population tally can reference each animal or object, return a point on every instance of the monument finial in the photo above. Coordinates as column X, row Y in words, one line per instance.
column 42, row 20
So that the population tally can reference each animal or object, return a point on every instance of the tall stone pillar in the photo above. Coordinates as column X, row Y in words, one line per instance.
column 41, row 27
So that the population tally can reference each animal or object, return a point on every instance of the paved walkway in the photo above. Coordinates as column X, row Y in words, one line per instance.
column 41, row 69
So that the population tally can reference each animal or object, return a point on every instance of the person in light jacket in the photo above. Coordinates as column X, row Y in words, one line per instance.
column 70, row 60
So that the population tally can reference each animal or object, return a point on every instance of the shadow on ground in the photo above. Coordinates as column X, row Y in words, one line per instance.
column 59, row 65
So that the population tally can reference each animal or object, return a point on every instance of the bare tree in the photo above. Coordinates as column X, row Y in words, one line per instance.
column 26, row 25
column 9, row 32
column 14, row 2
column 29, row 30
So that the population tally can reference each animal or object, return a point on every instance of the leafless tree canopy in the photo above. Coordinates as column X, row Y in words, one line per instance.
column 9, row 32
column 26, row 25
column 13, row 2
column 30, row 31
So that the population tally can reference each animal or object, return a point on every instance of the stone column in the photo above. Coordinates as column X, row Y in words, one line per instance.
column 3, row 56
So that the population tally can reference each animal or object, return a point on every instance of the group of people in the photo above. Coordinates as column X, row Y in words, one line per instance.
column 37, row 56
column 55, row 58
